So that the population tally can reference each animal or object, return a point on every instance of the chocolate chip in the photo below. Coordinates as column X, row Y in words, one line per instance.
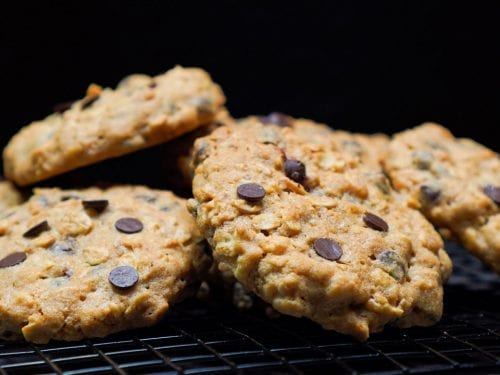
column 295, row 170
column 68, row 197
column 375, row 222
column 37, row 229
column 12, row 259
column 429, row 193
column 62, row 107
column 123, row 277
column 327, row 248
column 152, row 85
column 493, row 192
column 128, row 225
column 98, row 205
column 392, row 263
column 251, row 192
column 88, row 101
column 277, row 118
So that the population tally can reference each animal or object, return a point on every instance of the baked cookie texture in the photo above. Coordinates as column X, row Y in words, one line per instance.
column 87, row 263
column 454, row 182
column 303, row 239
column 178, row 154
column 9, row 195
column 370, row 149
column 141, row 112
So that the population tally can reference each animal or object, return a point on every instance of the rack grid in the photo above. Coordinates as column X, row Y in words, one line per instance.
column 196, row 338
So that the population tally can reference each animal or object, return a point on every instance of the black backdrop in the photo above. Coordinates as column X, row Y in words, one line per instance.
column 363, row 66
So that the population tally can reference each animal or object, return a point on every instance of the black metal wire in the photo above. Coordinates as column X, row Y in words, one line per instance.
column 52, row 365
column 168, row 362
column 196, row 339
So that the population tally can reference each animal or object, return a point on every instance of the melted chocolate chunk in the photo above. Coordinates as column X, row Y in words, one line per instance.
column 123, row 277
column 12, row 259
column 375, row 222
column 327, row 248
column 251, row 192
column 429, row 193
column 295, row 170
column 493, row 192
column 128, row 225
column 37, row 229
column 98, row 205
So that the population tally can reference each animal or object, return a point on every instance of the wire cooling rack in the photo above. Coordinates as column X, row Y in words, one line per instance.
column 196, row 339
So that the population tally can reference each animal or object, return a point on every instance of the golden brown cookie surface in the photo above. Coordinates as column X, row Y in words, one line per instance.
column 454, row 182
column 141, row 112
column 87, row 263
column 314, row 230
column 9, row 196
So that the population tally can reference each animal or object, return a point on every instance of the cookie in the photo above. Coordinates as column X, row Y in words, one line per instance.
column 454, row 182
column 371, row 150
column 141, row 112
column 9, row 196
column 87, row 263
column 313, row 231
column 177, row 154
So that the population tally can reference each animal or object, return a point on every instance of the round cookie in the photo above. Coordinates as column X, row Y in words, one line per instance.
column 77, row 264
column 369, row 149
column 141, row 112
column 311, row 229
column 454, row 182
column 9, row 196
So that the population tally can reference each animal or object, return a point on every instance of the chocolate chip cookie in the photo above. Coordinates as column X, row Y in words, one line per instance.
column 454, row 182
column 313, row 230
column 180, row 173
column 87, row 263
column 141, row 112
column 9, row 196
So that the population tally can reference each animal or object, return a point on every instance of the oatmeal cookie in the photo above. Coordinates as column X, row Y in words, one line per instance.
column 87, row 263
column 141, row 112
column 455, row 183
column 313, row 230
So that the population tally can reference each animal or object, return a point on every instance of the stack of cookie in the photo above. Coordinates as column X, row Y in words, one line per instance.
column 319, row 223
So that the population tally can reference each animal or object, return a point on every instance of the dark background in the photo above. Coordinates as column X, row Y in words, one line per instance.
column 363, row 66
